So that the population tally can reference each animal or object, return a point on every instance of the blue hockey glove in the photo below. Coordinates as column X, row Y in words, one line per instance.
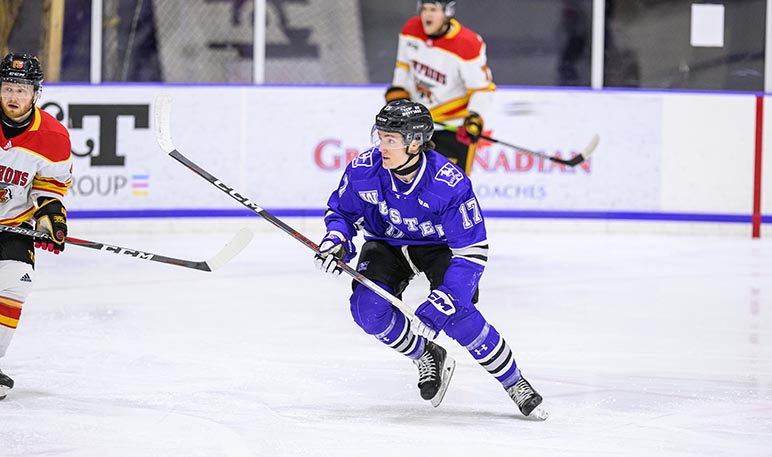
column 334, row 247
column 434, row 313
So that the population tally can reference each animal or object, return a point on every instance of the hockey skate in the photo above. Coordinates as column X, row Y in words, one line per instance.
column 435, row 369
column 527, row 399
column 6, row 384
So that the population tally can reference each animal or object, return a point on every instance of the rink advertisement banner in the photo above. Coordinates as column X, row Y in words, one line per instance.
column 286, row 148
column 117, row 162
column 623, row 172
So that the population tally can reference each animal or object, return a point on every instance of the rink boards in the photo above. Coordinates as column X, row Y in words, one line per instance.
column 662, row 156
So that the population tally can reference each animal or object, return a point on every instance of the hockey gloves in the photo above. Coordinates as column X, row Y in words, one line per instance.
column 396, row 93
column 471, row 130
column 334, row 247
column 51, row 218
column 434, row 313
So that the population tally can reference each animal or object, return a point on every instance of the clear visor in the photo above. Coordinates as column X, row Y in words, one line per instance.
column 383, row 139
column 17, row 86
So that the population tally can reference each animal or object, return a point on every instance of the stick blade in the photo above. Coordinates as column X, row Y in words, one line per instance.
column 231, row 249
column 590, row 148
column 163, row 130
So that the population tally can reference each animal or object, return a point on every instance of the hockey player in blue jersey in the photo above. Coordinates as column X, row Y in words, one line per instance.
column 418, row 213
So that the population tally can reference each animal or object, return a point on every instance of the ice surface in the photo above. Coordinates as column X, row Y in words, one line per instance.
column 641, row 346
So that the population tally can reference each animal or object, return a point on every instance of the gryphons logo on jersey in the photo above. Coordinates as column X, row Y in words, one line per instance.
column 449, row 174
column 5, row 194
column 364, row 159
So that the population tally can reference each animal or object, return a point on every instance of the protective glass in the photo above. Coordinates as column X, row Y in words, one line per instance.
column 10, row 88
column 384, row 139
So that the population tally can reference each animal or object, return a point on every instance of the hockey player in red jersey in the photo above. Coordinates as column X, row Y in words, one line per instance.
column 35, row 173
column 442, row 65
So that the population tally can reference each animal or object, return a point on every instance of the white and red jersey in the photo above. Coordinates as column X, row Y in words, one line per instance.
column 36, row 163
column 449, row 74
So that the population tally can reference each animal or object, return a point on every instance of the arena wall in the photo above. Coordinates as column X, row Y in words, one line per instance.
column 681, row 162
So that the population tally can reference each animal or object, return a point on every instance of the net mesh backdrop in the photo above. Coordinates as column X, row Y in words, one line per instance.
column 307, row 41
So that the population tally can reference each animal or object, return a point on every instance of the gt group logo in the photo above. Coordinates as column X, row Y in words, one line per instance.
column 140, row 185
column 102, row 170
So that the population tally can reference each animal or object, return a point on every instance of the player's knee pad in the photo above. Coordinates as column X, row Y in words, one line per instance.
column 370, row 311
column 464, row 325
column 16, row 278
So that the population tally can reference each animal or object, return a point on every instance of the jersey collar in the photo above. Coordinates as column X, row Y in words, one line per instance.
column 416, row 180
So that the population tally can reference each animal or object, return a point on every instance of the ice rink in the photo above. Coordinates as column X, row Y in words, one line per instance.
column 640, row 344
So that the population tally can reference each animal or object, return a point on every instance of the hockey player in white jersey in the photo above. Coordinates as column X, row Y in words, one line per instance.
column 419, row 214
column 443, row 65
column 35, row 173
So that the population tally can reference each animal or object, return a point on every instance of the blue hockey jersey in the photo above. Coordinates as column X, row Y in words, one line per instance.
column 437, row 207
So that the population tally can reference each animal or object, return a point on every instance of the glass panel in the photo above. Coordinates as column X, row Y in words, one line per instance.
column 129, row 51
column 25, row 30
column 76, row 41
column 180, row 40
column 315, row 41
column 648, row 44
column 529, row 42
column 26, row 34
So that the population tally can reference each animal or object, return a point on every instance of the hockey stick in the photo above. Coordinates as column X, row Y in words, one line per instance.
column 163, row 106
column 233, row 247
column 572, row 162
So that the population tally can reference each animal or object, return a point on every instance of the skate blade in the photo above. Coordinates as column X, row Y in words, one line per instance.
column 447, row 374
column 539, row 413
column 4, row 391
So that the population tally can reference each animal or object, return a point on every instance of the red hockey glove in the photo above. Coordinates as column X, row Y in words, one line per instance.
column 51, row 218
column 471, row 130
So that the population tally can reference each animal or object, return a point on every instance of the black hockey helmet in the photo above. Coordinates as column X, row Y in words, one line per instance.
column 22, row 69
column 449, row 6
column 412, row 120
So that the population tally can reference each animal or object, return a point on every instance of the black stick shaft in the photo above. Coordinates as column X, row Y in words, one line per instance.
column 178, row 156
column 137, row 254
column 570, row 162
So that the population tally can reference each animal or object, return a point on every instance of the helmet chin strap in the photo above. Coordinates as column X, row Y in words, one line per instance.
column 404, row 170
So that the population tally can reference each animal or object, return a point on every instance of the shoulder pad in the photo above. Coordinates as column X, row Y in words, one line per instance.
column 364, row 159
column 414, row 28
column 449, row 174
